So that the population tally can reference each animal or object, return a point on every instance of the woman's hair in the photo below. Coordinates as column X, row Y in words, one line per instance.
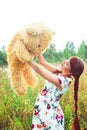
column 77, row 67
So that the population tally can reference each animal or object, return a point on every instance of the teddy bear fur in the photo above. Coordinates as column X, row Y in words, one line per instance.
column 30, row 41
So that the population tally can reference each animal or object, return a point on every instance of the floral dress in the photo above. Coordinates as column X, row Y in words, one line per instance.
column 48, row 114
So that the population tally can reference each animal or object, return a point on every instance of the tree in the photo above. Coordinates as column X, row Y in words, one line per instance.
column 51, row 54
column 82, row 51
column 3, row 49
column 3, row 56
column 69, row 50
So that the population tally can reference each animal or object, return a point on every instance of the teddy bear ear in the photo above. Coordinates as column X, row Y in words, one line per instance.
column 33, row 30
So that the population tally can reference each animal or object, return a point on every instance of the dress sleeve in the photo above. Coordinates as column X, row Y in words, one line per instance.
column 64, row 83
column 57, row 71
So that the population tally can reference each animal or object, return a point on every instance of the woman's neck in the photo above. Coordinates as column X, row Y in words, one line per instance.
column 66, row 74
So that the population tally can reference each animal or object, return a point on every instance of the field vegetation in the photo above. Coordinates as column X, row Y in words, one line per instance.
column 16, row 111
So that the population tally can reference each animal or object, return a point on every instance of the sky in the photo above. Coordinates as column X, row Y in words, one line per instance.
column 68, row 18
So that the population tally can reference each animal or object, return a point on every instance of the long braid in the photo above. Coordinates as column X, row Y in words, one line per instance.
column 77, row 67
column 76, row 94
column 76, row 124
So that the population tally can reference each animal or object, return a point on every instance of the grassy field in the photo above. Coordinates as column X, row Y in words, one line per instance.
column 16, row 112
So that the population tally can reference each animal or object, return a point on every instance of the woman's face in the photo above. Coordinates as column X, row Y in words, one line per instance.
column 66, row 65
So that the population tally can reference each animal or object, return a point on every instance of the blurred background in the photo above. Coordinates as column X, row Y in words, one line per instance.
column 68, row 19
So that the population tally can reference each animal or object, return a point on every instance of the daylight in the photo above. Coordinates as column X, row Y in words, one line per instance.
column 68, row 19
column 43, row 87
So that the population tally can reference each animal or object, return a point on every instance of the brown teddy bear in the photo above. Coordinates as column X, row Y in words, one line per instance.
column 31, row 41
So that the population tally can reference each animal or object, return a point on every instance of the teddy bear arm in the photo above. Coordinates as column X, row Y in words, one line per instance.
column 21, row 52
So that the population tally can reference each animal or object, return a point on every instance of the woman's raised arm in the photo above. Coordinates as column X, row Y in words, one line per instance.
column 45, row 73
column 47, row 65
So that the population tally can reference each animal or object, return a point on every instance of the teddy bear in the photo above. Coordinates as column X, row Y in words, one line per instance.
column 29, row 42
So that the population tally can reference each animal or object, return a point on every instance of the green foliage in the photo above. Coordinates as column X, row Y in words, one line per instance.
column 69, row 50
column 54, row 56
column 16, row 111
column 68, row 117
column 3, row 56
column 82, row 51
column 51, row 54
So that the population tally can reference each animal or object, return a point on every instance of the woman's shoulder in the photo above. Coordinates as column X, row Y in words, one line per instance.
column 62, row 78
column 64, row 82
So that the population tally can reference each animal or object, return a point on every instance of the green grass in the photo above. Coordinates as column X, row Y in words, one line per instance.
column 16, row 111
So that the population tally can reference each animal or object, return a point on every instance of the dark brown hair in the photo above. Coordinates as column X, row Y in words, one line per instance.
column 77, row 67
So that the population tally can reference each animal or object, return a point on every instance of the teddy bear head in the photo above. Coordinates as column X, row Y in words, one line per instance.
column 37, row 37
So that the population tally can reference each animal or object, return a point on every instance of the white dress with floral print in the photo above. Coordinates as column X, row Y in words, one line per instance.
column 48, row 114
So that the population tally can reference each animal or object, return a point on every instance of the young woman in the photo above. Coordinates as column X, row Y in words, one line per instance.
column 48, row 114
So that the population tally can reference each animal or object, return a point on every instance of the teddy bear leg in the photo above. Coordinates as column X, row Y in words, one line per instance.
column 29, row 75
column 16, row 77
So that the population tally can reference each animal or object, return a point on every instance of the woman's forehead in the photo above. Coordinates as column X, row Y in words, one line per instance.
column 67, row 60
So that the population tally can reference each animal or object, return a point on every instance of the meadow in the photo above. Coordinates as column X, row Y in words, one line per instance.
column 16, row 111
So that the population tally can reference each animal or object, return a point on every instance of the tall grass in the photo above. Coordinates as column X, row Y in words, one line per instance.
column 16, row 111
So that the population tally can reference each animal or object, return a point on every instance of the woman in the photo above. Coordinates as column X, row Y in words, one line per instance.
column 48, row 114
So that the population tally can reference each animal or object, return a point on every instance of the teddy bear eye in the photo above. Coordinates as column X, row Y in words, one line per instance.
column 39, row 45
